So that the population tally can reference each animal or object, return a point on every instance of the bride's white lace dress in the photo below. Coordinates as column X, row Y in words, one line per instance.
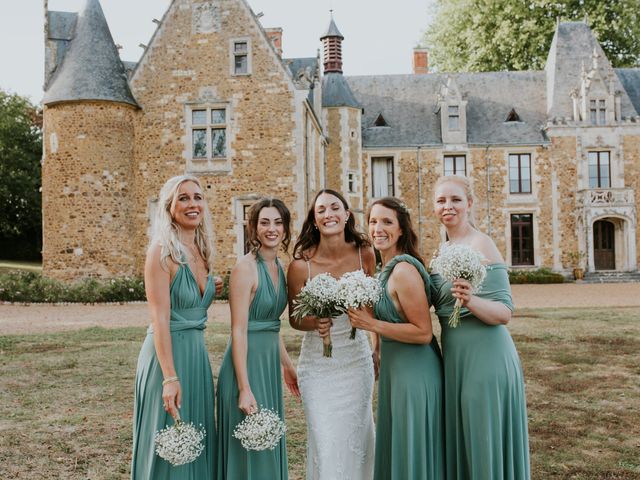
column 336, row 394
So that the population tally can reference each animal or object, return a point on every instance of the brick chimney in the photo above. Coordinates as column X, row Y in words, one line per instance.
column 420, row 61
column 275, row 35
column 332, row 46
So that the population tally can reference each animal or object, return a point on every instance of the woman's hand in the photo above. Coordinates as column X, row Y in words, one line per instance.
column 172, row 398
column 362, row 318
column 247, row 402
column 291, row 380
column 323, row 325
column 462, row 290
column 217, row 281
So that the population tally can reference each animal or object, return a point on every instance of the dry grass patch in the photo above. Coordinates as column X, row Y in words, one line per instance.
column 68, row 397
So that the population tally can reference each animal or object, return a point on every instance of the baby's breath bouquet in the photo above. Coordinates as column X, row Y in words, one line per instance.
column 181, row 443
column 455, row 261
column 318, row 298
column 260, row 431
column 356, row 290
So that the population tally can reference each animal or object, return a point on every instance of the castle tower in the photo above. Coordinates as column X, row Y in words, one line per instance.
column 342, row 116
column 88, row 149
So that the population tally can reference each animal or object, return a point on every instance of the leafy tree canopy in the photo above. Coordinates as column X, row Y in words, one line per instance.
column 20, row 153
column 495, row 35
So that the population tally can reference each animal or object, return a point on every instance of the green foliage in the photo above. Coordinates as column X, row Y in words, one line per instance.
column 541, row 275
column 496, row 35
column 20, row 154
column 33, row 287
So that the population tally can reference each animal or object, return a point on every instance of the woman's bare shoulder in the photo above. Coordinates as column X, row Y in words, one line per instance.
column 486, row 246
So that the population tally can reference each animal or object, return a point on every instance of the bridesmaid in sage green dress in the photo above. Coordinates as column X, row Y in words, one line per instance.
column 249, row 376
column 409, row 429
column 486, row 411
column 173, row 371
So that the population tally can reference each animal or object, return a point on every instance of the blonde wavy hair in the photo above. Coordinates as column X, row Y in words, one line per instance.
column 166, row 230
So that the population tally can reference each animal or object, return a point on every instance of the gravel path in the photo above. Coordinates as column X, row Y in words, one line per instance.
column 24, row 319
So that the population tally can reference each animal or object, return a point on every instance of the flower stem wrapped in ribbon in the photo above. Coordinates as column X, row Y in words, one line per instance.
column 318, row 298
column 456, row 261
column 357, row 290
column 260, row 431
column 180, row 443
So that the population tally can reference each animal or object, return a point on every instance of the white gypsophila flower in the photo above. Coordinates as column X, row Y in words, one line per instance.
column 456, row 261
column 317, row 298
column 181, row 443
column 260, row 431
column 357, row 289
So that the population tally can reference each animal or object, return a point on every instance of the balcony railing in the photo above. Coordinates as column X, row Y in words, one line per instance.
column 608, row 197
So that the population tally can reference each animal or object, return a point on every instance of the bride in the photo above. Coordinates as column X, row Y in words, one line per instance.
column 336, row 391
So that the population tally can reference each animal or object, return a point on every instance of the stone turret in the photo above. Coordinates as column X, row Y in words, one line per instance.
column 88, row 154
column 343, row 116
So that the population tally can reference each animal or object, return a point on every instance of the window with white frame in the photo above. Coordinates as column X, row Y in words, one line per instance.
column 455, row 165
column 241, row 56
column 352, row 186
column 382, row 181
column 208, row 128
column 454, row 117
column 597, row 112
column 599, row 170
column 519, row 173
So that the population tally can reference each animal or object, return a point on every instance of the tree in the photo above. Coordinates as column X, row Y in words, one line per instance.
column 495, row 35
column 20, row 154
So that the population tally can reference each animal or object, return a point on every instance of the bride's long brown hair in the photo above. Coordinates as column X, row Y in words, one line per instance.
column 310, row 236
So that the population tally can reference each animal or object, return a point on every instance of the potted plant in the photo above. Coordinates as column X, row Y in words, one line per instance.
column 575, row 257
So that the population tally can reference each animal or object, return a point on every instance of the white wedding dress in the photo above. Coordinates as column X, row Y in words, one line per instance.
column 337, row 394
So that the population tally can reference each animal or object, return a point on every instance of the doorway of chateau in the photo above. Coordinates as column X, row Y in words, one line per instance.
column 604, row 253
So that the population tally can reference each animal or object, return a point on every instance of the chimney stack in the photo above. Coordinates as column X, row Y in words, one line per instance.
column 275, row 35
column 420, row 61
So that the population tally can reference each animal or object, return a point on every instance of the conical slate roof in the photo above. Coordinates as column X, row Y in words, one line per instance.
column 336, row 92
column 332, row 31
column 91, row 69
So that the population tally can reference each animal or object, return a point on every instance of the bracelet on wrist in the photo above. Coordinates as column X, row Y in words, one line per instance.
column 169, row 380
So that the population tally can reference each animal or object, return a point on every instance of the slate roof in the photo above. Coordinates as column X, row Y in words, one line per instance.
column 336, row 91
column 61, row 25
column 409, row 104
column 302, row 67
column 630, row 79
column 572, row 47
column 91, row 68
column 332, row 31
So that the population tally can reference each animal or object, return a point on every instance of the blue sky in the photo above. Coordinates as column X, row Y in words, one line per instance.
column 379, row 34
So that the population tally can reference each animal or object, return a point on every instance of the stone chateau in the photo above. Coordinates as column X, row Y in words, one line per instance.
column 553, row 155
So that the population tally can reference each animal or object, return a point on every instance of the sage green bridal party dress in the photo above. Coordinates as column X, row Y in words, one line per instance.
column 409, row 428
column 265, row 379
column 191, row 361
column 485, row 405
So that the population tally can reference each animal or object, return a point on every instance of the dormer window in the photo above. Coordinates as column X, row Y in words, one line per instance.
column 597, row 112
column 454, row 117
column 380, row 122
column 512, row 116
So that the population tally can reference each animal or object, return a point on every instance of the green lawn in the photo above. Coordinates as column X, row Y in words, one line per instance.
column 67, row 397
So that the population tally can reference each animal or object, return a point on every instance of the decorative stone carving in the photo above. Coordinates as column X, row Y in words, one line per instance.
column 205, row 17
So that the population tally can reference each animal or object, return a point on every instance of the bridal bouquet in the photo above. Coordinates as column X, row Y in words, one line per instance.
column 459, row 261
column 181, row 443
column 260, row 431
column 318, row 298
column 356, row 290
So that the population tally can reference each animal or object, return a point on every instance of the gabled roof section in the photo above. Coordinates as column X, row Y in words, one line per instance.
column 410, row 102
column 91, row 69
column 303, row 70
column 630, row 79
column 336, row 92
column 572, row 50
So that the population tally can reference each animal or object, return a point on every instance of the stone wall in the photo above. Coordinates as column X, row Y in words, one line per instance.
column 87, row 191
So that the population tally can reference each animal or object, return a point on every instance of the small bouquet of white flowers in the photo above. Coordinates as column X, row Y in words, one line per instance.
column 356, row 290
column 318, row 298
column 181, row 443
column 456, row 261
column 260, row 431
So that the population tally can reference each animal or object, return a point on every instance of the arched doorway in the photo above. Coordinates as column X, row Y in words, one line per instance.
column 604, row 253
